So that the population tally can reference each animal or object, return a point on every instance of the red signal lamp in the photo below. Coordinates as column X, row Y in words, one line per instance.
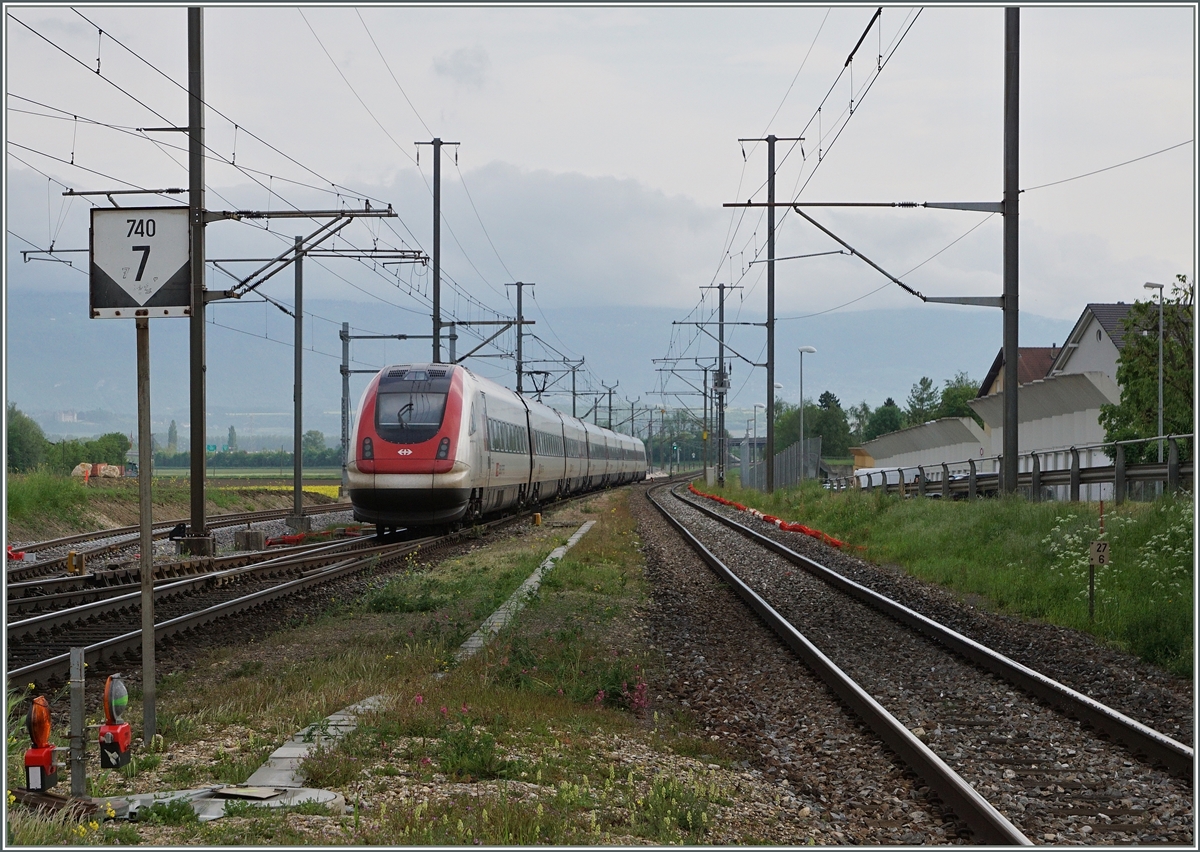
column 116, row 736
column 41, row 772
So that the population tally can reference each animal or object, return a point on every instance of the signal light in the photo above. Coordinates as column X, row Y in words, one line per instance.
column 444, row 448
column 116, row 735
column 368, row 449
column 41, row 773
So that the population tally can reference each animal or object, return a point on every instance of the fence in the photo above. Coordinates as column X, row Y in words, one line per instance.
column 1117, row 481
column 787, row 465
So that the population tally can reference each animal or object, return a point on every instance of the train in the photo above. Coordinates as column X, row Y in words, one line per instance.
column 435, row 446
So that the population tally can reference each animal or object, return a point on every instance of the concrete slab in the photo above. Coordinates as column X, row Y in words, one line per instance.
column 294, row 750
column 265, row 776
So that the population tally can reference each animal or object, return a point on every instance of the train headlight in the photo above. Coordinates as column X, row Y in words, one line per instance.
column 368, row 449
column 444, row 449
column 116, row 735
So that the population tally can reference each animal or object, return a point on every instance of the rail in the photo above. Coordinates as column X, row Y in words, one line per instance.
column 988, row 824
column 1178, row 758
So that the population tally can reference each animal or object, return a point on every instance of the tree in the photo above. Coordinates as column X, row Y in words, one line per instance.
column 173, row 438
column 313, row 441
column 887, row 418
column 922, row 403
column 232, row 440
column 109, row 448
column 829, row 421
column 958, row 392
column 26, row 441
column 859, row 416
column 1136, row 415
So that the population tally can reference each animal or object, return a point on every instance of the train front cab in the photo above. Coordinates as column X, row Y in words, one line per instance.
column 404, row 469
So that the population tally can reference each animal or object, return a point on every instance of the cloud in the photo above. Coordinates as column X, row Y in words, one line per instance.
column 465, row 66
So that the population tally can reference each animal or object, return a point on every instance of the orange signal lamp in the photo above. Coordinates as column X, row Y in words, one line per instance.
column 116, row 735
column 41, row 772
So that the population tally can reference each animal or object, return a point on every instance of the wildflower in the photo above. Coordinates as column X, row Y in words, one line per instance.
column 599, row 699
column 419, row 699
column 425, row 761
column 444, row 710
column 464, row 708
column 12, row 798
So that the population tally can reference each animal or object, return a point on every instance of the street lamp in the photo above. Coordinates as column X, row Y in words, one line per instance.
column 757, row 406
column 1149, row 285
column 811, row 350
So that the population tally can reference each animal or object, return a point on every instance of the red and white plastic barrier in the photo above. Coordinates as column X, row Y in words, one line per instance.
column 786, row 526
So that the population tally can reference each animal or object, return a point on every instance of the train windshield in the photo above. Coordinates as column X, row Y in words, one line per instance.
column 408, row 417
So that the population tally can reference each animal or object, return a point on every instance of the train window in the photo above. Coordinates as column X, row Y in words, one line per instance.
column 409, row 417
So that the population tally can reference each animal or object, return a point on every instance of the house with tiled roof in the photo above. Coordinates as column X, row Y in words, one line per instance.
column 1060, row 393
column 1095, row 342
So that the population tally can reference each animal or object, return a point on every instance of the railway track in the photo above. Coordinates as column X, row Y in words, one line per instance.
column 124, row 538
column 1011, row 765
column 200, row 592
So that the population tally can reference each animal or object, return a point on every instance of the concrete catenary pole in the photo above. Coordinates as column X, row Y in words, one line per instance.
column 771, row 313
column 199, row 435
column 1012, row 77
column 345, row 336
column 146, row 523
column 437, row 250
column 298, row 395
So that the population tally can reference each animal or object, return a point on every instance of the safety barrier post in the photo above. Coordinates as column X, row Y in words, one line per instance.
column 1074, row 475
column 945, row 482
column 900, row 476
column 1172, row 466
column 1119, row 475
column 920, row 481
column 1035, row 479
column 971, row 483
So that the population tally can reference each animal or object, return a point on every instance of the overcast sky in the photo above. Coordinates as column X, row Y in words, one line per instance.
column 597, row 146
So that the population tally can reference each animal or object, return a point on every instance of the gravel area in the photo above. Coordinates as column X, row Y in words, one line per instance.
column 745, row 687
column 1052, row 779
column 1122, row 681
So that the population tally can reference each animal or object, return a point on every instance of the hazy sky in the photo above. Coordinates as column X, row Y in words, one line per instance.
column 598, row 145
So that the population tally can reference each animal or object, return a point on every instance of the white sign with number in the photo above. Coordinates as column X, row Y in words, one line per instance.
column 1099, row 553
column 140, row 262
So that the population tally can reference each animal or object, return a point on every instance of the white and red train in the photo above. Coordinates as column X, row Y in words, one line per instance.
column 437, row 445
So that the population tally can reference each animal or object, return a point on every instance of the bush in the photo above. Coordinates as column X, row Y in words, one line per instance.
column 26, row 441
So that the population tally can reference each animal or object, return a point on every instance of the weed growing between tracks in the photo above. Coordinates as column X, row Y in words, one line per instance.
column 549, row 735
column 1028, row 559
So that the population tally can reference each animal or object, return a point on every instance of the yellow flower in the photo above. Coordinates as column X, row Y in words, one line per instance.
column 12, row 798
column 33, row 686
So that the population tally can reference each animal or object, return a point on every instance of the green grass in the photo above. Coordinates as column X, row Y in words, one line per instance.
column 40, row 494
column 1028, row 559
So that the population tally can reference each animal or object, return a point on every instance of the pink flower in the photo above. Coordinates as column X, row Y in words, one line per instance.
column 444, row 710
column 464, row 707
column 599, row 699
column 419, row 700
column 425, row 761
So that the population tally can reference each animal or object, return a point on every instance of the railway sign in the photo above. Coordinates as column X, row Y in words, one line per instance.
column 1099, row 553
column 140, row 262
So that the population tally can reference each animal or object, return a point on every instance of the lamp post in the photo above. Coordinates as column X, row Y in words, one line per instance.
column 1149, row 285
column 811, row 351
column 757, row 406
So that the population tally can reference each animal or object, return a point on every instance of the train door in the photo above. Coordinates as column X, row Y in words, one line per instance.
column 481, row 463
